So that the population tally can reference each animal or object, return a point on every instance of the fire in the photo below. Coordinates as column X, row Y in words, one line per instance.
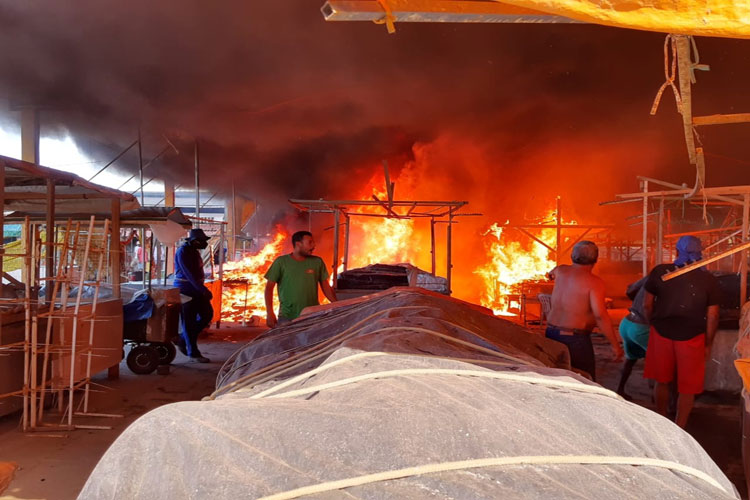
column 383, row 240
column 511, row 262
column 243, row 293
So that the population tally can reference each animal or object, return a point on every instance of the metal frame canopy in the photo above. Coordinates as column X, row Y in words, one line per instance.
column 729, row 195
column 433, row 210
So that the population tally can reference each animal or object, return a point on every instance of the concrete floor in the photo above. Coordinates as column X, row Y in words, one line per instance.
column 57, row 467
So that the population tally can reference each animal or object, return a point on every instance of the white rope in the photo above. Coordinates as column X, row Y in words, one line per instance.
column 561, row 384
column 494, row 462
column 368, row 354
column 456, row 340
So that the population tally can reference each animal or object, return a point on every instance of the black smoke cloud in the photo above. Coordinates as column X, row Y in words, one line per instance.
column 287, row 105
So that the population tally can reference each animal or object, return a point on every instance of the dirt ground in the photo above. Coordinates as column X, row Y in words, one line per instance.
column 56, row 465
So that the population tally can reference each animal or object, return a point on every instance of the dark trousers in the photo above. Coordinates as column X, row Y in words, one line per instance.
column 196, row 315
column 580, row 347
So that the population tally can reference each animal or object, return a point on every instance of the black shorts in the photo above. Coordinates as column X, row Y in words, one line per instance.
column 580, row 347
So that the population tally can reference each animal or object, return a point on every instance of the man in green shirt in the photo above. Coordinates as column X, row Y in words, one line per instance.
column 297, row 275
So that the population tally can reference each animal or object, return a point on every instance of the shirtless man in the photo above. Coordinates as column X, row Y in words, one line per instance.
column 578, row 306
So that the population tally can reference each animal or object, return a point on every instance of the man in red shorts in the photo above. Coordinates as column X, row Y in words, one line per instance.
column 684, row 314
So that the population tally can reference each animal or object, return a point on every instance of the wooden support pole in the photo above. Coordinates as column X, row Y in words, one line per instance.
column 704, row 262
column 721, row 119
column 335, row 247
column 743, row 255
column 684, row 69
column 644, row 254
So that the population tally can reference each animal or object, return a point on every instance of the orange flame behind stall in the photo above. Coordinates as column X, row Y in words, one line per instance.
column 381, row 240
column 510, row 262
column 243, row 292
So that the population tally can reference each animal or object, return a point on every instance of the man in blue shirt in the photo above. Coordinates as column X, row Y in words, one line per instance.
column 189, row 277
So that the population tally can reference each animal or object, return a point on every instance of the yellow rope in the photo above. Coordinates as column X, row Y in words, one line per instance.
column 389, row 19
column 494, row 462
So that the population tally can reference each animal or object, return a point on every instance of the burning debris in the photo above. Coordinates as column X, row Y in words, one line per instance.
column 243, row 288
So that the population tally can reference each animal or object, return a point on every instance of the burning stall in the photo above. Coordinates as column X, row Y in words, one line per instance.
column 355, row 283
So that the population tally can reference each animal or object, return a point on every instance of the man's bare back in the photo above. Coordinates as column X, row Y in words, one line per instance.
column 576, row 295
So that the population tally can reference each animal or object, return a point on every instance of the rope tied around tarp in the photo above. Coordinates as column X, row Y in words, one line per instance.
column 389, row 19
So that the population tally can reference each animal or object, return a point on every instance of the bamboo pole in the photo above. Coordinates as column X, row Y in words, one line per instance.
column 94, row 302
column 50, row 322
column 74, row 335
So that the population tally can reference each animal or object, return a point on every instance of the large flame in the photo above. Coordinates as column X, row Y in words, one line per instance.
column 513, row 260
column 382, row 240
column 243, row 293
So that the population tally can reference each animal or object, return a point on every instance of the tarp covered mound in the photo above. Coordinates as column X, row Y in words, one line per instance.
column 436, row 416
column 402, row 320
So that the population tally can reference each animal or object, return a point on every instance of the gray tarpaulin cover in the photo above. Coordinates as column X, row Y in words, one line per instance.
column 401, row 380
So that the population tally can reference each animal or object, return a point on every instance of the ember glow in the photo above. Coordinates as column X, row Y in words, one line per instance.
column 244, row 285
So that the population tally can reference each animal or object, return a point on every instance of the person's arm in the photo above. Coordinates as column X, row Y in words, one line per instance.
column 328, row 291
column 603, row 321
column 552, row 274
column 712, row 324
column 648, row 305
column 270, row 313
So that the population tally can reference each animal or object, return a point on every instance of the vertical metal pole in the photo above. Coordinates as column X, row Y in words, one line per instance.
column 49, row 262
column 346, row 242
column 644, row 250
column 659, row 256
column 197, row 184
column 222, row 234
column 140, row 163
column 335, row 247
column 558, row 247
column 114, row 249
column 232, row 219
column 743, row 254
column 449, row 252
column 432, row 243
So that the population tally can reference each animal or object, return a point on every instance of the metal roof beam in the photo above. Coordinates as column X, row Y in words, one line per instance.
column 436, row 11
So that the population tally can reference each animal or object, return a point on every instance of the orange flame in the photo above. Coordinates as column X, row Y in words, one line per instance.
column 511, row 262
column 243, row 293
